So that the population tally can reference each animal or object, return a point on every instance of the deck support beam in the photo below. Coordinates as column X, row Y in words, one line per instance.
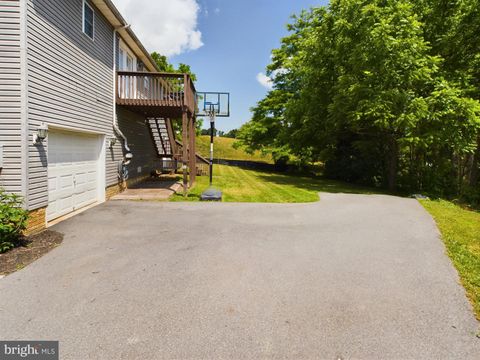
column 192, row 153
column 171, row 136
column 185, row 152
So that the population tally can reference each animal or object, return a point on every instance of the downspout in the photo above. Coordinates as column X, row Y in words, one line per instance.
column 128, row 156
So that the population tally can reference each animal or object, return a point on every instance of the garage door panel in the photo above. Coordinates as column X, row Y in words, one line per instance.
column 63, row 193
column 82, row 157
column 65, row 182
column 52, row 184
column 84, row 188
column 61, row 169
column 80, row 179
column 85, row 199
column 73, row 163
column 65, row 204
column 60, row 207
column 62, row 186
column 61, row 158
column 92, row 177
column 84, row 168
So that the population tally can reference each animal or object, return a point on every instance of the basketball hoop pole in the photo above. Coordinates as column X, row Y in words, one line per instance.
column 212, row 108
column 212, row 130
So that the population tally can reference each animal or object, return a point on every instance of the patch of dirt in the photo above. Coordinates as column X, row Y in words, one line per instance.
column 30, row 249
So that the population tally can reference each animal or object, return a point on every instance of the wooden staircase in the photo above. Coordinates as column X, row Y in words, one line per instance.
column 162, row 136
column 169, row 148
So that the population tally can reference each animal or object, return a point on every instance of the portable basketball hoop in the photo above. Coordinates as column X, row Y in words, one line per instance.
column 212, row 105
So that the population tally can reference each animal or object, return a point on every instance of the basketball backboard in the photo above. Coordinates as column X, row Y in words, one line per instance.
column 219, row 102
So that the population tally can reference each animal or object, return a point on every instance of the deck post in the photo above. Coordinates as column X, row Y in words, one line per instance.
column 185, row 151
column 193, row 162
column 171, row 136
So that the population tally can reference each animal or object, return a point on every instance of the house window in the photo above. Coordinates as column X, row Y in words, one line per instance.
column 129, row 63
column 88, row 20
column 126, row 59
column 121, row 59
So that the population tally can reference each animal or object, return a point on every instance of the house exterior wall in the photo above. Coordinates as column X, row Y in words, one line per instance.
column 70, row 86
column 69, row 80
column 140, row 143
column 11, row 95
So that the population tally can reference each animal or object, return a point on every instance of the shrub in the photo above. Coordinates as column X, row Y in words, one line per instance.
column 471, row 196
column 13, row 220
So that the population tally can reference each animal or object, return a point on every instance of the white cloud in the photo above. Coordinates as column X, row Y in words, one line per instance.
column 166, row 26
column 264, row 80
column 217, row 11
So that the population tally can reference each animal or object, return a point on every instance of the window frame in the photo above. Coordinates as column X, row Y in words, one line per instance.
column 127, row 53
column 121, row 58
column 85, row 3
column 131, row 62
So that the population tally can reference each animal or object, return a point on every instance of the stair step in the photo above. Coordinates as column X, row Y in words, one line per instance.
column 159, row 131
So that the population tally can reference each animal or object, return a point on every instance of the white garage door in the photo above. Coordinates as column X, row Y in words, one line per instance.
column 73, row 172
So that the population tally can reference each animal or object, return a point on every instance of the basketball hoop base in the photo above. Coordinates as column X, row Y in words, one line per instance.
column 211, row 194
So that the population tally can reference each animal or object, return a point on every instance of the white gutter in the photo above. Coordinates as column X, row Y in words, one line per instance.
column 115, row 120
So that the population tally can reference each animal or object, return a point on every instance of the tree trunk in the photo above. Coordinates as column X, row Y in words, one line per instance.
column 473, row 180
column 392, row 164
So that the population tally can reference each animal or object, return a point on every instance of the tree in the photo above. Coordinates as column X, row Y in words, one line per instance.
column 162, row 62
column 165, row 66
column 185, row 69
column 384, row 92
column 206, row 132
column 231, row 134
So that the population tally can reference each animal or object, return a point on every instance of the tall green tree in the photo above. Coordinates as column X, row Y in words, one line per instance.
column 384, row 91
column 165, row 66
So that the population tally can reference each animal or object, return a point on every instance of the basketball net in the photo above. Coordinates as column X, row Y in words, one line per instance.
column 211, row 112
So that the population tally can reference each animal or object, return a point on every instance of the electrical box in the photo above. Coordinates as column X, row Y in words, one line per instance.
column 1, row 156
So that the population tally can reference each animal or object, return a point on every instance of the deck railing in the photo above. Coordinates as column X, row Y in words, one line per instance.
column 156, row 89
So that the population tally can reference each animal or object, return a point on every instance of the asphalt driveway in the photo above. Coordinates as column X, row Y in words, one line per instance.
column 352, row 276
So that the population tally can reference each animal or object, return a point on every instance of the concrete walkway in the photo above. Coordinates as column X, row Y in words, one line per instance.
column 150, row 190
column 352, row 276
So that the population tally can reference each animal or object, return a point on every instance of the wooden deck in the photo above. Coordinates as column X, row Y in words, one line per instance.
column 167, row 96
column 156, row 94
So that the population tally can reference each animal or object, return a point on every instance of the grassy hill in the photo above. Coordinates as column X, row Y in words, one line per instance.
column 223, row 149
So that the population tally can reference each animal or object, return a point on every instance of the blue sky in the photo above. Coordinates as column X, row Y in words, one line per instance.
column 237, row 37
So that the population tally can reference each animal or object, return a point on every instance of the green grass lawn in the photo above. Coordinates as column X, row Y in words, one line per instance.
column 460, row 230
column 242, row 185
column 223, row 149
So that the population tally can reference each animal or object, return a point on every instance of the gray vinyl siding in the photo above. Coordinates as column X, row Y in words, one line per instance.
column 10, row 95
column 139, row 140
column 70, row 80
column 70, row 84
